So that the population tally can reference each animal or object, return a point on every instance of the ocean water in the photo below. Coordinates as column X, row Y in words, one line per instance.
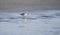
column 36, row 23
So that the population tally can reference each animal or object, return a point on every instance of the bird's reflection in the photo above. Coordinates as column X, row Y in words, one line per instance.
column 24, row 16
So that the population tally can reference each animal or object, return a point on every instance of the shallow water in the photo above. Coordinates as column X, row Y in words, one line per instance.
column 36, row 23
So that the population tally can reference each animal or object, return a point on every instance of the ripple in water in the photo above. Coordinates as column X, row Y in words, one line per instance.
column 33, row 17
column 57, row 14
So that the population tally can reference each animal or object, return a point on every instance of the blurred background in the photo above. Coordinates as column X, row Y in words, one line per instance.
column 43, row 17
column 20, row 5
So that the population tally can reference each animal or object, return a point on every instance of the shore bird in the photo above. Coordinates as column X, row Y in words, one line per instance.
column 24, row 14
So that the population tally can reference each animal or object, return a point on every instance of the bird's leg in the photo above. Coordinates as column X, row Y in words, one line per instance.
column 23, row 17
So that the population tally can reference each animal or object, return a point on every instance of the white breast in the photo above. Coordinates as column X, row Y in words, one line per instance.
column 25, row 14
